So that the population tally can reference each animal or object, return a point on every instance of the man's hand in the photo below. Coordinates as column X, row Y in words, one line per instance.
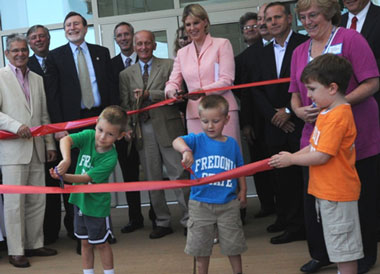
column 24, row 132
column 249, row 134
column 59, row 135
column 288, row 127
column 51, row 155
column 280, row 118
column 141, row 94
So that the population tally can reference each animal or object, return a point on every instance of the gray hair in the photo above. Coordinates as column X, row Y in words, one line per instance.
column 151, row 33
column 15, row 37
column 35, row 28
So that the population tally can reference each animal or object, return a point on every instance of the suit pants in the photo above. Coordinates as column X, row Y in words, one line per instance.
column 129, row 164
column 24, row 213
column 288, row 188
column 152, row 156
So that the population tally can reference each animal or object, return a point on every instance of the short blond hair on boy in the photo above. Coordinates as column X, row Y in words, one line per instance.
column 213, row 101
column 115, row 115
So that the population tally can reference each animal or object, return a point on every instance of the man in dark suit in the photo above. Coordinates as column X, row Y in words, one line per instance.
column 39, row 41
column 127, row 153
column 364, row 17
column 252, row 121
column 282, row 129
column 71, row 96
column 154, row 131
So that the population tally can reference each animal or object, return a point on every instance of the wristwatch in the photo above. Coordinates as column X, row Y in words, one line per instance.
column 287, row 111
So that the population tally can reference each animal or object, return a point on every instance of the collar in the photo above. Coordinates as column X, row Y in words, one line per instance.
column 133, row 56
column 16, row 69
column 275, row 44
column 149, row 63
column 83, row 46
column 39, row 58
column 361, row 15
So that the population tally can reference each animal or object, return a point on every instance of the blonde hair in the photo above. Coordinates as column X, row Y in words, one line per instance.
column 329, row 8
column 115, row 115
column 213, row 101
column 197, row 11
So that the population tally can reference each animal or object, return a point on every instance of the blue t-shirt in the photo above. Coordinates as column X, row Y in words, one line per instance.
column 213, row 157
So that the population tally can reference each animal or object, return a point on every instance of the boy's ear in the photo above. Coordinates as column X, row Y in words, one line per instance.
column 334, row 88
column 227, row 119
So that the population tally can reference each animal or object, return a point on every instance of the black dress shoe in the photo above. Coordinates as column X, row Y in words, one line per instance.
column 287, row 237
column 42, row 251
column 160, row 232
column 263, row 213
column 111, row 240
column 275, row 228
column 19, row 261
column 313, row 266
column 130, row 227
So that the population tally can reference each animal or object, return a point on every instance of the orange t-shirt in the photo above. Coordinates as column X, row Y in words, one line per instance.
column 334, row 134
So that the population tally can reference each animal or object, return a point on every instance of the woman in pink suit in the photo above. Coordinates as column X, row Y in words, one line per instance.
column 204, row 64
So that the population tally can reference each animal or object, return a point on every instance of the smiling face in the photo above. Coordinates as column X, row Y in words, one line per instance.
column 355, row 6
column 124, row 38
column 213, row 121
column 105, row 135
column 39, row 42
column 75, row 31
column 261, row 25
column 144, row 45
column 196, row 28
column 250, row 31
column 314, row 22
column 277, row 21
column 18, row 54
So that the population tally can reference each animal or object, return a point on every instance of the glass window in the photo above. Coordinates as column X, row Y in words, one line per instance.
column 162, row 50
column 25, row 13
column 230, row 31
column 184, row 3
column 120, row 7
column 57, row 39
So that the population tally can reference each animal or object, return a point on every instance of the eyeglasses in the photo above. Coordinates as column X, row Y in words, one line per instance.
column 184, row 38
column 311, row 16
column 23, row 50
column 249, row 27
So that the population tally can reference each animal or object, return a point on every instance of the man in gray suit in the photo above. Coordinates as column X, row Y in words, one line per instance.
column 22, row 106
column 140, row 85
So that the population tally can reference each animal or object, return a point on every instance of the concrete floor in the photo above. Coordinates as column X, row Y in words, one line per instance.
column 135, row 253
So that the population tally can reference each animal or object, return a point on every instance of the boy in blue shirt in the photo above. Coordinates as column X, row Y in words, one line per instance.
column 97, row 159
column 216, row 205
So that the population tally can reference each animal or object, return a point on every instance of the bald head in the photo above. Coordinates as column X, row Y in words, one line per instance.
column 145, row 44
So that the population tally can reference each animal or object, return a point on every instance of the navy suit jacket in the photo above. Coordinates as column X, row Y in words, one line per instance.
column 35, row 66
column 62, row 82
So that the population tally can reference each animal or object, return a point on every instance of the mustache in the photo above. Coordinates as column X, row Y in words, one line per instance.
column 263, row 26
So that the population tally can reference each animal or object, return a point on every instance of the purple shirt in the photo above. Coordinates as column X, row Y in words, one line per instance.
column 23, row 81
column 351, row 45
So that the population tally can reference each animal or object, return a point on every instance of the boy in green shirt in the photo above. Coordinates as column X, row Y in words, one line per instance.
column 97, row 159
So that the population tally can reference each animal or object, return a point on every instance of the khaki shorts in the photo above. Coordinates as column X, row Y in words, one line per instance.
column 205, row 219
column 341, row 230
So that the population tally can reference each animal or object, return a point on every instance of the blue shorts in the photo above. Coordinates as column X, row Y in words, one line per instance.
column 95, row 229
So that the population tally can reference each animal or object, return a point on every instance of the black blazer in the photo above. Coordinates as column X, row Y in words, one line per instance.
column 35, row 66
column 267, row 98
column 62, row 82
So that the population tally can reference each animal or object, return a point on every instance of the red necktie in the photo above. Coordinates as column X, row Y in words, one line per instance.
column 353, row 22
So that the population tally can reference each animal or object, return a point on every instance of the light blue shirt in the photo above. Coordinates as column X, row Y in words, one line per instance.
column 279, row 53
column 133, row 58
column 142, row 64
column 91, row 71
column 40, row 59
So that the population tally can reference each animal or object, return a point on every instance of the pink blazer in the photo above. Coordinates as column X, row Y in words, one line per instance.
column 215, row 67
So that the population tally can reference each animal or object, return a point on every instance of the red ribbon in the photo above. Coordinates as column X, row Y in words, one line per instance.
column 57, row 127
column 245, row 170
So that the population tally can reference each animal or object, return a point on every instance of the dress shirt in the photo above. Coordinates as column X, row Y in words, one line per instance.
column 40, row 59
column 23, row 81
column 133, row 57
column 361, row 18
column 279, row 52
column 142, row 64
column 91, row 71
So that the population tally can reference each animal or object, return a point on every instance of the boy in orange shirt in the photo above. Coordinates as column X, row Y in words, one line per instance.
column 331, row 156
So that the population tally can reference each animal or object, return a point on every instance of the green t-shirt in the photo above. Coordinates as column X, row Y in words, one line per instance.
column 99, row 167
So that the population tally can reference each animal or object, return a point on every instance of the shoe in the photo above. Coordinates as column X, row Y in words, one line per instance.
column 264, row 213
column 313, row 266
column 275, row 228
column 42, row 251
column 160, row 232
column 287, row 237
column 111, row 240
column 130, row 227
column 19, row 261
